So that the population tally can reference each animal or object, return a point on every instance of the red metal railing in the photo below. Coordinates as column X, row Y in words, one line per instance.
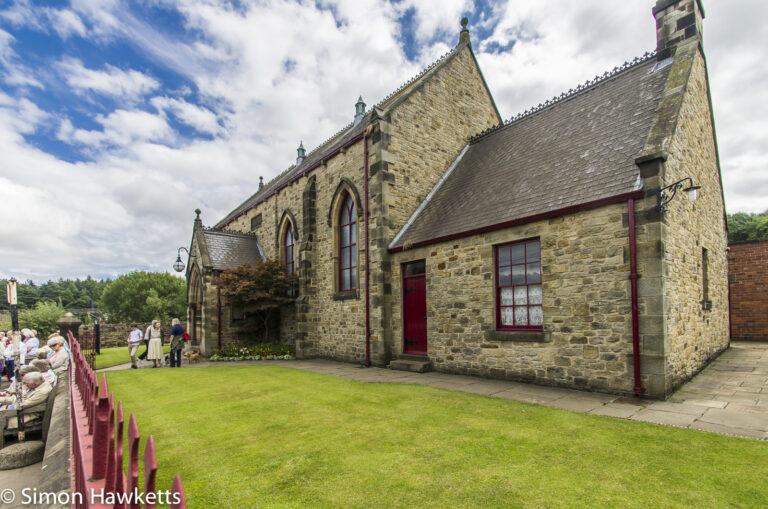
column 97, row 447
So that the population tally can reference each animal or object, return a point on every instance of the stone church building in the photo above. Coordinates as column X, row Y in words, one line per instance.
column 559, row 247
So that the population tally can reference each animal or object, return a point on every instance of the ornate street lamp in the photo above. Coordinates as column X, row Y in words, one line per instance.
column 178, row 265
column 667, row 193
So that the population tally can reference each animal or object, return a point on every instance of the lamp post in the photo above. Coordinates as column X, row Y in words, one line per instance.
column 667, row 193
column 10, row 293
column 178, row 265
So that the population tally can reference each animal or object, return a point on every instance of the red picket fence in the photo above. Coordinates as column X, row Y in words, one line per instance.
column 98, row 428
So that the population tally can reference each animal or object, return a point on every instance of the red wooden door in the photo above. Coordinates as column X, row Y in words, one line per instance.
column 414, row 309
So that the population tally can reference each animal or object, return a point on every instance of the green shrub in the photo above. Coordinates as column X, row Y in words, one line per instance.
column 255, row 352
column 42, row 317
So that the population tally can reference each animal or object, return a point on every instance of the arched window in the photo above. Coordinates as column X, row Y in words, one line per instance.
column 288, row 241
column 347, row 245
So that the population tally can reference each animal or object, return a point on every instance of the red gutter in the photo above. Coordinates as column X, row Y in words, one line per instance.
column 293, row 179
column 218, row 306
column 633, row 277
column 367, row 247
column 524, row 220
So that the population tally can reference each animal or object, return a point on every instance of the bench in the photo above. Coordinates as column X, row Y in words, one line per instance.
column 36, row 417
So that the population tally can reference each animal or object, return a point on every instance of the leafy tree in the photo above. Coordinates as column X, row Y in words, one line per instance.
column 743, row 227
column 261, row 289
column 75, row 295
column 144, row 296
column 42, row 317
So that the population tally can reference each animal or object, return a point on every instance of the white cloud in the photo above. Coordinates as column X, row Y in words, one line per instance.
column 121, row 129
column 62, row 21
column 203, row 120
column 65, row 22
column 22, row 115
column 436, row 17
column 130, row 84
column 14, row 73
column 551, row 54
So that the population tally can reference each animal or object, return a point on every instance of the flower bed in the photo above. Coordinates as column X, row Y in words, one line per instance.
column 266, row 351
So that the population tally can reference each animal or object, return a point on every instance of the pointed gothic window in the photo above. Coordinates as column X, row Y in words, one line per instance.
column 347, row 245
column 288, row 242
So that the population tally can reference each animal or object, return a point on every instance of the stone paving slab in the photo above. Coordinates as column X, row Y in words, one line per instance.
column 618, row 410
column 585, row 404
column 735, row 418
column 729, row 430
column 680, row 408
column 705, row 402
column 666, row 418
column 730, row 396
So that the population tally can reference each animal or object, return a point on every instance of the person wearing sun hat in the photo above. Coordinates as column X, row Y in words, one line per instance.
column 60, row 358
column 32, row 344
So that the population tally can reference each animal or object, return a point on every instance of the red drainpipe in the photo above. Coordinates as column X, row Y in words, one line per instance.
column 367, row 246
column 728, row 270
column 633, row 277
column 218, row 306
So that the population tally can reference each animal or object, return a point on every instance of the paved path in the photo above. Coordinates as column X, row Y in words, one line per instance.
column 730, row 396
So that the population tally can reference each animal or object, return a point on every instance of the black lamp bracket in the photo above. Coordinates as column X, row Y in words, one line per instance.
column 667, row 193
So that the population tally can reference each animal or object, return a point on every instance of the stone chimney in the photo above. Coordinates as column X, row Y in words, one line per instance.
column 677, row 21
column 300, row 153
column 359, row 110
column 464, row 34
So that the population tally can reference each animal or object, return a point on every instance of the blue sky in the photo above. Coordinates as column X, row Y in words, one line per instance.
column 118, row 119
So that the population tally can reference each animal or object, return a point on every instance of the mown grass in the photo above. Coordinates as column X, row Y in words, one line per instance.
column 118, row 355
column 264, row 436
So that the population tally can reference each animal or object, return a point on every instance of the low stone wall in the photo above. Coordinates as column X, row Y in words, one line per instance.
column 116, row 334
column 748, row 281
column 55, row 477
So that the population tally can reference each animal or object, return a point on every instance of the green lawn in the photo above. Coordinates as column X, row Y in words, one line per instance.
column 253, row 436
column 118, row 355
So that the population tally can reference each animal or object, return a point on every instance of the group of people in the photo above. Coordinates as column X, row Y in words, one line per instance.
column 41, row 369
column 153, row 338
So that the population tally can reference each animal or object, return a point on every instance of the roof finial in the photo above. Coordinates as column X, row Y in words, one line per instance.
column 197, row 217
column 261, row 183
column 300, row 153
column 359, row 110
column 464, row 34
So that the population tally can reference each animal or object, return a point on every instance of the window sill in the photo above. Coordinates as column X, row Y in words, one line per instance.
column 518, row 336
column 346, row 295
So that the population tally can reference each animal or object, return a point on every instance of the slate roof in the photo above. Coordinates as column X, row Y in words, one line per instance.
column 229, row 250
column 311, row 160
column 574, row 150
column 332, row 145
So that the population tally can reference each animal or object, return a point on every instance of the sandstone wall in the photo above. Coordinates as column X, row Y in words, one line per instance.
column 323, row 322
column 416, row 144
column 427, row 131
column 409, row 150
column 696, row 324
column 116, row 334
column 748, row 277
column 587, row 333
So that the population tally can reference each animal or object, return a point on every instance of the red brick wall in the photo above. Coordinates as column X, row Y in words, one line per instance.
column 748, row 277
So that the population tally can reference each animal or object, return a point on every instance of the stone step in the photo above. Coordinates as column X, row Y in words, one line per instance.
column 413, row 363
